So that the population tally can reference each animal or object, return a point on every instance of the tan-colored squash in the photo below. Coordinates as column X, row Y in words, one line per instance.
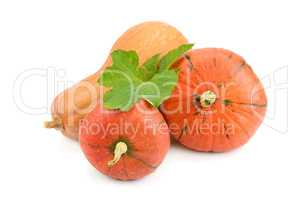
column 70, row 106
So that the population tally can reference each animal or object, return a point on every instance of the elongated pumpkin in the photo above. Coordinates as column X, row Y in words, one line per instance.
column 125, row 145
column 74, row 103
column 218, row 104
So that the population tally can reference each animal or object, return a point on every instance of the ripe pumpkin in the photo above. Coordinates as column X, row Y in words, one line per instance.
column 218, row 104
column 74, row 103
column 125, row 145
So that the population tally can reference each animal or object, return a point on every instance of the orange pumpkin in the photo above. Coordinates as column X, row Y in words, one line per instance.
column 218, row 104
column 125, row 145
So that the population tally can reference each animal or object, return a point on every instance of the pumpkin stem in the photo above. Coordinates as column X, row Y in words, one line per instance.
column 120, row 149
column 207, row 98
column 54, row 123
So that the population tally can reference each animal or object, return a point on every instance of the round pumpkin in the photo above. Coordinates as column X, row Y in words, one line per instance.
column 219, row 101
column 125, row 145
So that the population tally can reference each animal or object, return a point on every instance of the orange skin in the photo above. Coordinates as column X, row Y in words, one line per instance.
column 147, row 39
column 148, row 140
column 235, row 115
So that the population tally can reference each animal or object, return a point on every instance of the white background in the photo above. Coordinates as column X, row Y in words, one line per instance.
column 75, row 36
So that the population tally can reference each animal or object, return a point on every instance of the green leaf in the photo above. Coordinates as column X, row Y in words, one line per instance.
column 151, row 64
column 127, row 59
column 149, row 68
column 114, row 99
column 129, row 82
column 173, row 55
column 159, row 88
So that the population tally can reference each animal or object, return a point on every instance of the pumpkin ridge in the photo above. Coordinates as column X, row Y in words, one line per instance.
column 108, row 171
column 229, row 139
column 211, row 135
column 125, row 168
column 250, row 104
column 183, row 130
column 189, row 61
column 238, row 123
column 237, row 86
column 230, row 56
column 240, row 111
column 142, row 161
column 204, row 120
column 240, row 68
column 185, row 84
column 227, row 136
column 215, row 62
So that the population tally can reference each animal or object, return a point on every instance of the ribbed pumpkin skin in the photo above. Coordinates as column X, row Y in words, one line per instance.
column 147, row 136
column 147, row 39
column 237, row 112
